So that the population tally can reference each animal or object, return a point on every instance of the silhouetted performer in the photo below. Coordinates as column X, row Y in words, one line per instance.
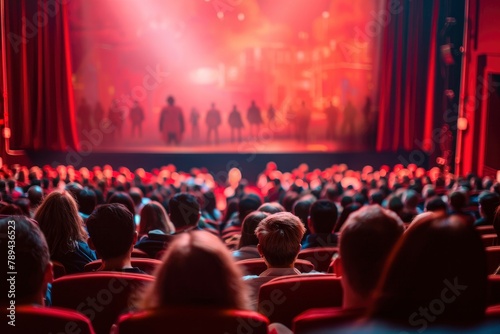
column 271, row 114
column 136, row 117
column 194, row 118
column 85, row 114
column 332, row 114
column 236, row 123
column 254, row 119
column 171, row 122
column 350, row 114
column 213, row 121
column 98, row 114
column 116, row 116
column 303, row 119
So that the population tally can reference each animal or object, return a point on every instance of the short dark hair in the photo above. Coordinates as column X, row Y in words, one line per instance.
column 32, row 257
column 489, row 202
column 87, row 201
column 367, row 238
column 458, row 200
column 111, row 229
column 323, row 215
column 123, row 198
column 247, row 204
column 35, row 195
column 248, row 237
column 184, row 210
column 435, row 204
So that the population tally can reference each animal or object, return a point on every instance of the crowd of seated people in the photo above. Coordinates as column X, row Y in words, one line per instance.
column 403, row 234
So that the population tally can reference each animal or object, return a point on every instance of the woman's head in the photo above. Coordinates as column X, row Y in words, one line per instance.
column 439, row 265
column 192, row 257
column 60, row 223
column 248, row 237
column 154, row 217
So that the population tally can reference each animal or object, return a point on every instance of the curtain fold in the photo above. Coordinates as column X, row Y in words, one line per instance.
column 40, row 95
column 407, row 85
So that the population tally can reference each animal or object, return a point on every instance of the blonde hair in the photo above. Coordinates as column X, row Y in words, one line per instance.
column 60, row 222
column 279, row 237
column 197, row 270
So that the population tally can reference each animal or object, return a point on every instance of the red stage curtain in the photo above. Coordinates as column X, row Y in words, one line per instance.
column 40, row 95
column 408, row 103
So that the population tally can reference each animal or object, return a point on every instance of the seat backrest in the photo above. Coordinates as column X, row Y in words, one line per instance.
column 320, row 257
column 192, row 320
column 493, row 312
column 283, row 298
column 489, row 240
column 493, row 289
column 493, row 258
column 486, row 229
column 101, row 296
column 326, row 317
column 34, row 319
column 58, row 269
column 257, row 266
column 146, row 265
column 139, row 253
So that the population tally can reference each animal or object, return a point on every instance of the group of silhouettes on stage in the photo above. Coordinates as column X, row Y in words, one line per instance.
column 172, row 124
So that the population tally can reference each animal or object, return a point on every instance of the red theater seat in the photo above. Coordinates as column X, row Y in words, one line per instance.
column 34, row 319
column 489, row 240
column 146, row 265
column 283, row 298
column 493, row 258
column 327, row 317
column 493, row 289
column 102, row 296
column 257, row 266
column 192, row 320
column 320, row 257
column 488, row 229
column 139, row 253
column 493, row 312
column 58, row 269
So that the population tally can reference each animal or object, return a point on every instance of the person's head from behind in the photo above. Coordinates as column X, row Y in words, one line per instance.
column 271, row 207
column 411, row 199
column 59, row 221
column 247, row 204
column 458, row 200
column 279, row 237
column 35, row 195
column 154, row 217
column 439, row 264
column 87, row 201
column 366, row 239
column 32, row 260
column 122, row 197
column 436, row 204
column 322, row 217
column 189, row 257
column 301, row 209
column 353, row 207
column 170, row 100
column 111, row 230
column 248, row 237
column 376, row 197
column 488, row 203
column 184, row 211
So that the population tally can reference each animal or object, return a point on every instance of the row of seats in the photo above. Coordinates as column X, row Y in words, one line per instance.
column 104, row 299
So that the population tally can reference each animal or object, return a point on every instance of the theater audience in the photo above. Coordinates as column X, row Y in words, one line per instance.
column 322, row 219
column 435, row 276
column 155, row 229
column 247, row 247
column 436, row 204
column 87, row 201
column 197, row 270
column 35, row 196
column 184, row 212
column 32, row 262
column 367, row 238
column 112, row 235
column 488, row 203
column 458, row 202
column 246, row 205
column 271, row 207
column 63, row 229
column 279, row 238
